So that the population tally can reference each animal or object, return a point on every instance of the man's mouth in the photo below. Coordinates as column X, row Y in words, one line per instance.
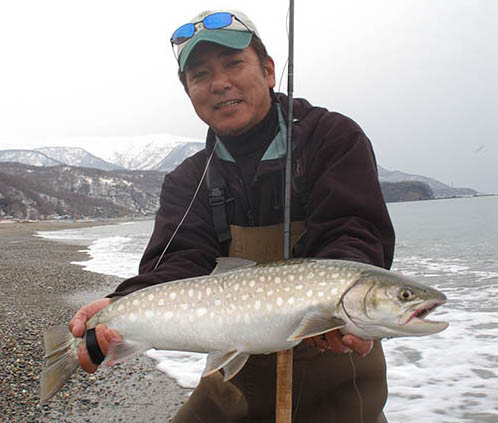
column 227, row 103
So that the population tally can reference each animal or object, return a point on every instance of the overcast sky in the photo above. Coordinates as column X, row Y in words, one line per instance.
column 420, row 76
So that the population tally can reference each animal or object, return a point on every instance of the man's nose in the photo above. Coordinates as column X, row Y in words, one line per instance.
column 220, row 82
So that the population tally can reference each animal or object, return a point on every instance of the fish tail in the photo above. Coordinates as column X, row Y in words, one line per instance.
column 61, row 353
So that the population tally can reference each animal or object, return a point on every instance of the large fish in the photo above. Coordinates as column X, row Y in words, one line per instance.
column 243, row 308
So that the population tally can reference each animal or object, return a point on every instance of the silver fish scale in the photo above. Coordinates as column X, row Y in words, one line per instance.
column 213, row 312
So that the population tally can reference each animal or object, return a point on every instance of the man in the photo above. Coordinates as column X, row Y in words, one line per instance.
column 337, row 208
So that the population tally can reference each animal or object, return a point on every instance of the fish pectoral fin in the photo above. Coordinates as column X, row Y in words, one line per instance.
column 315, row 323
column 234, row 366
column 230, row 361
column 227, row 264
column 121, row 350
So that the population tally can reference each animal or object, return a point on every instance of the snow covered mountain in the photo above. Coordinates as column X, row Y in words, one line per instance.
column 177, row 155
column 76, row 156
column 28, row 157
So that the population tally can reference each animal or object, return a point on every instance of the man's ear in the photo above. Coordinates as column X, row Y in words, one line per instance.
column 269, row 70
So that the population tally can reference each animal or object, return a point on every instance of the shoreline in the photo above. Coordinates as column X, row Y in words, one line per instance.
column 41, row 288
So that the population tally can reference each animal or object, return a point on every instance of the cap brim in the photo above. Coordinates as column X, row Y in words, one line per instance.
column 225, row 37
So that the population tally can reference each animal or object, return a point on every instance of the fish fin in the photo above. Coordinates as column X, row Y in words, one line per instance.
column 315, row 323
column 122, row 349
column 62, row 360
column 226, row 264
column 217, row 360
column 234, row 366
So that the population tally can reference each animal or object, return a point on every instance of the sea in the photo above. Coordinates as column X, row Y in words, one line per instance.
column 450, row 244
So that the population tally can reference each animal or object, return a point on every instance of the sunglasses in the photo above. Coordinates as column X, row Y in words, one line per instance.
column 218, row 20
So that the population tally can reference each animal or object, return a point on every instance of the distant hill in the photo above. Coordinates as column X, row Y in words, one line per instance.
column 406, row 191
column 30, row 192
column 439, row 189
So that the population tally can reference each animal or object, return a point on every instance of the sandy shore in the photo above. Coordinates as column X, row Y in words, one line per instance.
column 39, row 287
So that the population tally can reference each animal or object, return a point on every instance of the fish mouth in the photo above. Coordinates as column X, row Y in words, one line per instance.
column 417, row 319
column 227, row 103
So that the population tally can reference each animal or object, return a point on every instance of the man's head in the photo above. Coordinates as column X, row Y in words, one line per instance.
column 225, row 70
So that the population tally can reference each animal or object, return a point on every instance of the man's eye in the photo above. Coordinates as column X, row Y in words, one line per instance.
column 234, row 62
column 199, row 75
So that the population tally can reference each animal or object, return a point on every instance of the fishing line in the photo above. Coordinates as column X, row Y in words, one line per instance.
column 189, row 206
column 356, row 386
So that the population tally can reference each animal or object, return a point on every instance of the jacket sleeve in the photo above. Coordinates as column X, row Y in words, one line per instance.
column 347, row 216
column 194, row 248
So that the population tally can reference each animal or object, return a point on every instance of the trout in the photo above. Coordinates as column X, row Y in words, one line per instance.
column 243, row 308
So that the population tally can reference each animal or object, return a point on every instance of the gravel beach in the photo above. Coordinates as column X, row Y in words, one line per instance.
column 39, row 287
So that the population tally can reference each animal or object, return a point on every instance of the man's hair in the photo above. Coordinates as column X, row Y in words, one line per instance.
column 255, row 43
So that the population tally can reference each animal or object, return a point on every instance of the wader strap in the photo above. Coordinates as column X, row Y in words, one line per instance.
column 218, row 201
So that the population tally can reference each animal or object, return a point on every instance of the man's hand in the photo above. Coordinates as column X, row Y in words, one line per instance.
column 335, row 341
column 105, row 336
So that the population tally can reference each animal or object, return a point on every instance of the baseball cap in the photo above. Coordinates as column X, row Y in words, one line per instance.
column 229, row 28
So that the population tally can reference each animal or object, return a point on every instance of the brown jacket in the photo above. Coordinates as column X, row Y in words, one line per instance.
column 335, row 191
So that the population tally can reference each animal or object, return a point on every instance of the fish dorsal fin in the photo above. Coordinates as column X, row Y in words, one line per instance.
column 226, row 264
column 315, row 323
column 230, row 361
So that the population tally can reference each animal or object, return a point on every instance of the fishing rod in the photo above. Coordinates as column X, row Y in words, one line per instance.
column 283, row 406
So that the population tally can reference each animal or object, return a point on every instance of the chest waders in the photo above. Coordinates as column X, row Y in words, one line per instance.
column 323, row 389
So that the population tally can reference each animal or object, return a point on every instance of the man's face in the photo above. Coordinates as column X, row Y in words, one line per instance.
column 228, row 88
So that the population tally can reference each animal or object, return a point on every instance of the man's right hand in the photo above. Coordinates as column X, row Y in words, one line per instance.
column 104, row 335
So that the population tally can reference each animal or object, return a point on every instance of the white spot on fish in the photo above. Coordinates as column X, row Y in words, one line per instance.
column 135, row 302
column 320, row 294
column 190, row 292
column 184, row 306
column 161, row 302
column 208, row 292
column 269, row 307
column 245, row 297
column 199, row 296
column 150, row 297
column 257, row 305
column 291, row 300
column 299, row 287
column 333, row 291
column 269, row 292
column 262, row 278
column 236, row 287
column 132, row 317
column 217, row 302
column 121, row 307
column 172, row 295
column 201, row 312
column 279, row 301
column 277, row 280
column 149, row 314
column 247, row 318
column 309, row 292
column 252, row 283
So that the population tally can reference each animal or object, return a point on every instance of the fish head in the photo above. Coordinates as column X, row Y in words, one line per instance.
column 384, row 304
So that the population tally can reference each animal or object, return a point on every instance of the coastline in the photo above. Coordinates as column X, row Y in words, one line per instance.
column 41, row 288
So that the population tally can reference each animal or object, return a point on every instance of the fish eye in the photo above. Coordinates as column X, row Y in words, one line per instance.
column 406, row 294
